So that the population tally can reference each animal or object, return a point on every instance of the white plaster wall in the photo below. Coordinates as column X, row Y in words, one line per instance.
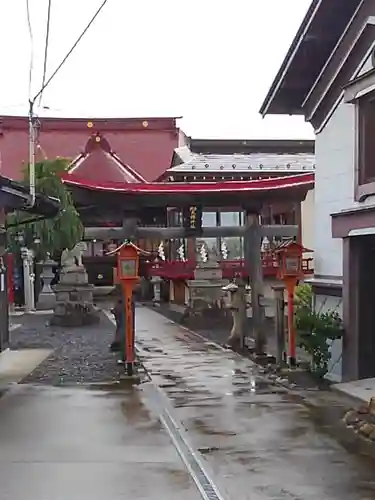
column 334, row 186
column 307, row 220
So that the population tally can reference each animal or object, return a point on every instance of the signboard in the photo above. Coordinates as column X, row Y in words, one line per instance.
column 201, row 273
column 128, row 268
column 292, row 265
column 192, row 220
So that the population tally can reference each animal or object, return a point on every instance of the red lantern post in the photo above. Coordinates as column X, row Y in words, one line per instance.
column 290, row 271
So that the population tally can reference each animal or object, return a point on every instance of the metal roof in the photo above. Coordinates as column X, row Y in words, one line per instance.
column 259, row 162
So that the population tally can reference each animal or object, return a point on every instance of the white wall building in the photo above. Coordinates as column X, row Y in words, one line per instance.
column 334, row 51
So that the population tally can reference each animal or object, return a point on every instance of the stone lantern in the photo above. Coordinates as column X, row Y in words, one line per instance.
column 47, row 296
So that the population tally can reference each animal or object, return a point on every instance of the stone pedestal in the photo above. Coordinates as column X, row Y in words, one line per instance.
column 156, row 283
column 237, row 305
column 47, row 298
column 74, row 300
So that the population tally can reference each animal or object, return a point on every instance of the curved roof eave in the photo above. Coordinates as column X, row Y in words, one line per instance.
column 161, row 188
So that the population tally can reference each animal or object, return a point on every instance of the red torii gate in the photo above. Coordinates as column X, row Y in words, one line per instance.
column 249, row 195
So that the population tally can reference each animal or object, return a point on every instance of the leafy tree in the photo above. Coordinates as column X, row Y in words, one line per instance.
column 316, row 330
column 58, row 233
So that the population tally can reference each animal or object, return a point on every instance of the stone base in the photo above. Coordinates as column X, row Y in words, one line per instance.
column 74, row 293
column 74, row 314
column 78, row 276
column 46, row 300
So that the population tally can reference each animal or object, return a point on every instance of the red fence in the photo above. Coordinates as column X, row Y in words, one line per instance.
column 231, row 268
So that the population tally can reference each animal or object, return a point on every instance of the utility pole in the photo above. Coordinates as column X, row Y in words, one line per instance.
column 32, row 152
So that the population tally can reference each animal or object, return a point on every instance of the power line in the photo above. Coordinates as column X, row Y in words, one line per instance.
column 46, row 49
column 31, row 67
column 71, row 50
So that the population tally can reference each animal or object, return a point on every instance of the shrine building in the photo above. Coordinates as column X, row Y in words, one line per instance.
column 139, row 151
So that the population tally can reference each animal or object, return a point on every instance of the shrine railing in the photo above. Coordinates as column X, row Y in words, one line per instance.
column 231, row 268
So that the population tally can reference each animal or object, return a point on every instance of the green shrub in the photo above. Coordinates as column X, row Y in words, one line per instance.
column 315, row 330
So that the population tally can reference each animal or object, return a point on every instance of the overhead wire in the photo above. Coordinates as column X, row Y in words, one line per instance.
column 31, row 66
column 46, row 46
column 70, row 51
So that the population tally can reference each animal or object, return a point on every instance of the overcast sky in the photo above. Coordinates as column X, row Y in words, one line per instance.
column 210, row 61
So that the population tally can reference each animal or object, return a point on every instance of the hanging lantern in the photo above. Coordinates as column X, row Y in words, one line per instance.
column 204, row 253
column 181, row 252
column 161, row 253
column 224, row 250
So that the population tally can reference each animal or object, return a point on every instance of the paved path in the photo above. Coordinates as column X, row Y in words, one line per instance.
column 80, row 444
column 259, row 440
column 87, row 441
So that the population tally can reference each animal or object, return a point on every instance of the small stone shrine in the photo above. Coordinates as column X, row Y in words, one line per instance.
column 74, row 295
column 205, row 291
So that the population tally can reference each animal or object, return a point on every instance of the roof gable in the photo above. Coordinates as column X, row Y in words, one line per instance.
column 144, row 144
column 98, row 162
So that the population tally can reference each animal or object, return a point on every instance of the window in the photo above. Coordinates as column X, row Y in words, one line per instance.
column 230, row 218
column 211, row 247
column 234, row 244
column 366, row 139
column 209, row 219
column 234, row 247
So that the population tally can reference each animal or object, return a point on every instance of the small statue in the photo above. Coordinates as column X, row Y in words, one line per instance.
column 71, row 260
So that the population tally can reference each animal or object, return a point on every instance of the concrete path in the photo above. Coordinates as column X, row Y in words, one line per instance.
column 87, row 441
column 363, row 389
column 259, row 440
column 81, row 444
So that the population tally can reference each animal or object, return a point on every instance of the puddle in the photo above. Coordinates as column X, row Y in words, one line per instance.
column 114, row 386
column 204, row 428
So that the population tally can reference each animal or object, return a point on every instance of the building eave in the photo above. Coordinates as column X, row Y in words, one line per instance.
column 105, row 124
column 290, row 56
column 15, row 196
column 316, row 40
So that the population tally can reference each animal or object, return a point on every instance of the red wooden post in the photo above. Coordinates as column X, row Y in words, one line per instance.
column 127, row 274
column 129, row 326
column 290, row 284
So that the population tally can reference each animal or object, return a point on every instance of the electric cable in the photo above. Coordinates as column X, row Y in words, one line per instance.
column 71, row 50
column 31, row 66
column 46, row 45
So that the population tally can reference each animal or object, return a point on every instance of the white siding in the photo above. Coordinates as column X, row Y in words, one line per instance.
column 334, row 185
column 367, row 66
column 307, row 219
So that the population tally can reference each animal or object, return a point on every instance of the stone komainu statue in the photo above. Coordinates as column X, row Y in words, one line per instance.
column 71, row 260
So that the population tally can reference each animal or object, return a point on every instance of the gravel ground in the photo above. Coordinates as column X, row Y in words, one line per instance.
column 80, row 355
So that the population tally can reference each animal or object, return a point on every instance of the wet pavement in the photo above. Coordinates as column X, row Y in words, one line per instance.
column 94, row 437
column 258, row 439
column 79, row 443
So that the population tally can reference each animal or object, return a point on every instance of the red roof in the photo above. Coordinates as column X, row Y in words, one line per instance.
column 143, row 145
column 259, row 185
column 99, row 163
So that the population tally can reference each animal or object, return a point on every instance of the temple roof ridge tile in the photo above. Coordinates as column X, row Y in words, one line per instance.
column 199, row 162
